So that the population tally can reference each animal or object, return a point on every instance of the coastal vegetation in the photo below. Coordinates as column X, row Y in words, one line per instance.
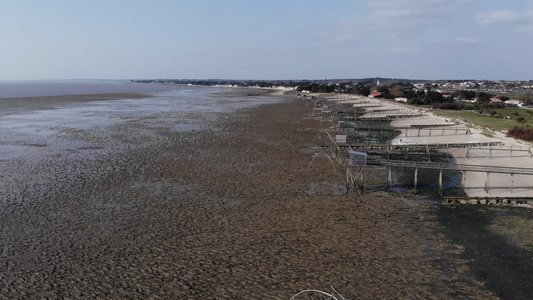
column 498, row 119
column 523, row 133
column 468, row 94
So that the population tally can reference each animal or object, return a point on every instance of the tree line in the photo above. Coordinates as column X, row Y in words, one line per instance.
column 428, row 94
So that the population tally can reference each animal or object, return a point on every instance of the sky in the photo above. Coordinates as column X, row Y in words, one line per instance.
column 274, row 39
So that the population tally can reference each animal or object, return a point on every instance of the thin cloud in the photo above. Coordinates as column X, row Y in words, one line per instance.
column 404, row 50
column 466, row 40
column 395, row 18
column 499, row 16
column 526, row 29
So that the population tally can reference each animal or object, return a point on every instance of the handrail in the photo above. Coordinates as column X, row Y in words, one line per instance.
column 445, row 166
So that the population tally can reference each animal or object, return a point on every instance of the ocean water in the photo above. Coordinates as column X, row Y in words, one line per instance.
column 109, row 125
column 13, row 89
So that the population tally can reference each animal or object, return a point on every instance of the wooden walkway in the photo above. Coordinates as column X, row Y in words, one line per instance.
column 488, row 200
column 376, row 146
column 446, row 166
column 389, row 117
column 348, row 124
column 452, row 167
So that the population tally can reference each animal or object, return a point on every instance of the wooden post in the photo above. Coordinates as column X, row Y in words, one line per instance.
column 427, row 152
column 487, row 184
column 512, row 182
column 416, row 178
column 389, row 180
column 440, row 182
column 347, row 180
column 362, row 181
column 463, row 180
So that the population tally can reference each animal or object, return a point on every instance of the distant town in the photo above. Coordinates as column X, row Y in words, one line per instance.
column 438, row 93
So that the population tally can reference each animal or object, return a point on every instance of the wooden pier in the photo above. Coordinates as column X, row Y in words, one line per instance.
column 422, row 130
column 488, row 200
column 453, row 167
column 389, row 117
column 405, row 146
column 350, row 118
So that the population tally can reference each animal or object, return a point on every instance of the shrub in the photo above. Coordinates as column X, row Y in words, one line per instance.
column 520, row 132
column 449, row 106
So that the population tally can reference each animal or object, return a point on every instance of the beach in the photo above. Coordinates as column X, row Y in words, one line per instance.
column 233, row 210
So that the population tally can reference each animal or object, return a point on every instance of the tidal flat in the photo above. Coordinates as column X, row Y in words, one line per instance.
column 228, row 208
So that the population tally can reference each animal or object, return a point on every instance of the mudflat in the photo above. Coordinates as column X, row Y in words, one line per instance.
column 20, row 104
column 233, row 211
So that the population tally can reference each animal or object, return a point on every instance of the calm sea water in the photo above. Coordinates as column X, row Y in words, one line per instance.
column 12, row 89
column 109, row 124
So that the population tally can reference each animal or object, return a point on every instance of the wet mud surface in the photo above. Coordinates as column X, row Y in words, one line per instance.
column 228, row 211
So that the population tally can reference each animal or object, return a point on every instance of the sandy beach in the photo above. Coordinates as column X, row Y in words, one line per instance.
column 226, row 212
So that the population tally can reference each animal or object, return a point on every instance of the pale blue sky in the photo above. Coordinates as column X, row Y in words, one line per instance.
column 247, row 39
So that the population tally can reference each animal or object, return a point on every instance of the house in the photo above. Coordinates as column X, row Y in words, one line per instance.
column 375, row 94
column 400, row 99
column 514, row 102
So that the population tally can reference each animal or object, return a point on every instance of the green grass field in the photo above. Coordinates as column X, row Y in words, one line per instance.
column 497, row 121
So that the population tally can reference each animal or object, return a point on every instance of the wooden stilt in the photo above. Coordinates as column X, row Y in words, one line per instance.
column 512, row 183
column 487, row 184
column 362, row 181
column 440, row 182
column 348, row 184
column 389, row 180
column 351, row 181
column 463, row 180
column 416, row 178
